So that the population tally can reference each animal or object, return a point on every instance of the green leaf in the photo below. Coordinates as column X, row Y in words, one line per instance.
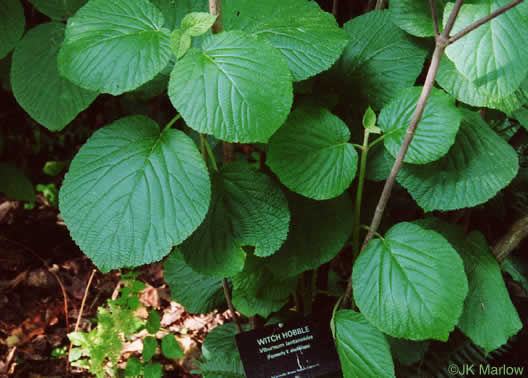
column 311, row 156
column 379, row 163
column 12, row 24
column 521, row 115
column 14, row 184
column 79, row 338
column 150, row 344
column 318, row 231
column 468, row 92
column 517, row 270
column 436, row 130
column 58, row 9
column 238, row 88
column 154, row 370
column 488, row 305
column 132, row 193
column 411, row 284
column 247, row 209
column 50, row 99
column 380, row 60
column 153, row 322
column 415, row 16
column 479, row 165
column 257, row 291
column 170, row 347
column 363, row 349
column 197, row 23
column 133, row 367
column 175, row 10
column 53, row 168
column 309, row 38
column 220, row 353
column 114, row 46
column 369, row 119
column 491, row 56
column 196, row 292
column 180, row 42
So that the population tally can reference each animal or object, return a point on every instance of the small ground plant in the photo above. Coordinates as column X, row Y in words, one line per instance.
column 267, row 165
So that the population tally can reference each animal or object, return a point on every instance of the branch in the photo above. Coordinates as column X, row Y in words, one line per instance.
column 482, row 21
column 452, row 18
column 215, row 8
column 435, row 17
column 380, row 4
column 229, row 301
column 335, row 5
column 515, row 235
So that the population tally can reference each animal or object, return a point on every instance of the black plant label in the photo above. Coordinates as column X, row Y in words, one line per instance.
column 298, row 348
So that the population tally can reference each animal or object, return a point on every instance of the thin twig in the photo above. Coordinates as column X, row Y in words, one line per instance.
column 81, row 309
column 380, row 4
column 229, row 301
column 482, row 21
column 513, row 238
column 215, row 8
column 451, row 20
column 435, row 17
column 335, row 5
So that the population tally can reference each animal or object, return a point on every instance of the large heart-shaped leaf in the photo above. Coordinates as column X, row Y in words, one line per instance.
column 318, row 231
column 436, row 130
column 220, row 354
column 479, row 165
column 491, row 56
column 247, row 209
column 50, row 99
column 362, row 348
column 132, row 193
column 257, row 291
column 488, row 305
column 12, row 23
column 309, row 38
column 311, row 156
column 58, row 9
column 411, row 284
column 196, row 292
column 380, row 60
column 465, row 90
column 238, row 88
column 415, row 16
column 114, row 46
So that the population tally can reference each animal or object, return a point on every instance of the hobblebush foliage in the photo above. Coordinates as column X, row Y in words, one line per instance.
column 284, row 77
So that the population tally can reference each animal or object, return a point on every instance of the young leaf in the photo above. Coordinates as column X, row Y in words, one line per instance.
column 311, row 156
column 49, row 99
column 238, row 88
column 58, row 9
column 154, row 370
column 170, row 347
column 436, row 131
column 196, row 292
column 257, row 291
column 488, row 305
column 479, row 165
column 247, row 209
column 12, row 23
column 362, row 348
column 180, row 42
column 153, row 322
column 309, row 38
column 369, row 119
column 491, row 56
column 415, row 16
column 411, row 284
column 197, row 23
column 114, row 46
column 133, row 367
column 132, row 193
column 312, row 242
column 380, row 59
column 150, row 344
column 14, row 184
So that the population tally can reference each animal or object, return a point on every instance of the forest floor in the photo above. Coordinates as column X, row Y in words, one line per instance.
column 41, row 268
